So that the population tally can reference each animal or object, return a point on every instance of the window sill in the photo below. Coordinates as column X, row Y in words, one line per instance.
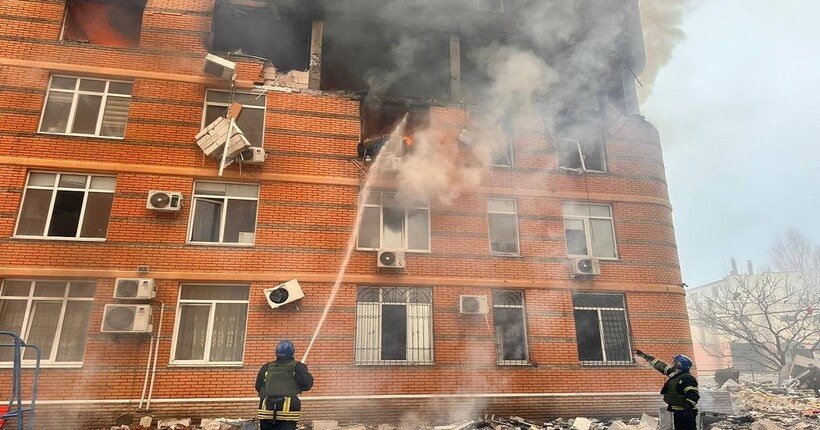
column 180, row 365
column 221, row 244
column 72, row 365
column 82, row 135
column 504, row 254
column 395, row 363
column 55, row 238
column 406, row 251
column 599, row 258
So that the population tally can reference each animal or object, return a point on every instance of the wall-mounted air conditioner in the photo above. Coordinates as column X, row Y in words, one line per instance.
column 391, row 259
column 253, row 155
column 218, row 66
column 134, row 288
column 164, row 200
column 126, row 319
column 473, row 305
column 283, row 294
column 585, row 266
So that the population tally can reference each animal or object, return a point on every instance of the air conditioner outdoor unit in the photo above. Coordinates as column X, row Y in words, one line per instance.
column 127, row 319
column 170, row 201
column 585, row 266
column 283, row 294
column 391, row 259
column 219, row 66
column 473, row 305
column 253, row 155
column 134, row 288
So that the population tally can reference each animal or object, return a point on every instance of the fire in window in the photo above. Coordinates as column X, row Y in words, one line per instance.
column 380, row 120
column 104, row 22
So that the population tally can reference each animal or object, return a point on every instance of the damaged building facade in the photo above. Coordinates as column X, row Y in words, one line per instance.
column 181, row 180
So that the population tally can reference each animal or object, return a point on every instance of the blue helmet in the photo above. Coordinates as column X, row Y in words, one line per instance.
column 682, row 362
column 285, row 349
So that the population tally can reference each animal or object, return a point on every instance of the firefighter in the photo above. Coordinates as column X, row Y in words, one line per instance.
column 680, row 392
column 278, row 384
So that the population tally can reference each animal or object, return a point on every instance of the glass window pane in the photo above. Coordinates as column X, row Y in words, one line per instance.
column 12, row 313
column 105, row 183
column 394, row 332
column 191, row 334
column 418, row 229
column 228, row 337
column 207, row 219
column 374, row 198
column 49, row 289
column 16, row 288
column 66, row 214
column 97, row 214
column 252, row 122
column 240, row 217
column 369, row 228
column 120, row 88
column 218, row 96
column 73, row 181
column 496, row 205
column 503, row 235
column 214, row 292
column 250, row 99
column 588, row 335
column 82, row 289
column 34, row 212
column 63, row 83
column 598, row 300
column 600, row 210
column 393, row 228
column 55, row 115
column 603, row 238
column 92, row 85
column 115, row 116
column 42, row 179
column 74, row 332
column 86, row 114
column 210, row 188
column 214, row 112
column 42, row 327
column 575, row 237
column 239, row 190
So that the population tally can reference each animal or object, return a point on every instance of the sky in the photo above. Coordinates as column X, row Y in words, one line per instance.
column 737, row 111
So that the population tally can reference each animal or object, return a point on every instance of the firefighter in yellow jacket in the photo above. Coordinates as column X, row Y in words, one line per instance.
column 680, row 392
column 278, row 384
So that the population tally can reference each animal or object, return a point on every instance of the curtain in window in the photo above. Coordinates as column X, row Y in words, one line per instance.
column 419, row 332
column 228, row 337
column 74, row 333
column 11, row 319
column 193, row 325
column 43, row 321
column 368, row 332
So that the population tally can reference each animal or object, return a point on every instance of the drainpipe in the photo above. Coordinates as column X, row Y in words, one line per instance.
column 147, row 369
column 156, row 353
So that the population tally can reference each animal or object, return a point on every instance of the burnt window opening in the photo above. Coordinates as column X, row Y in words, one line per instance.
column 385, row 60
column 381, row 119
column 582, row 154
column 602, row 329
column 104, row 22
column 262, row 29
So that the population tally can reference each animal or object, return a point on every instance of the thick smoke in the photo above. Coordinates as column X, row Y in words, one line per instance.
column 661, row 21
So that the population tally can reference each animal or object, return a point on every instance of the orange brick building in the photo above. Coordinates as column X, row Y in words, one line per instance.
column 531, row 242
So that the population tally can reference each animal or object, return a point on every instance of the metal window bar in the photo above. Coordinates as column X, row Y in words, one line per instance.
column 614, row 333
column 14, row 407
column 384, row 316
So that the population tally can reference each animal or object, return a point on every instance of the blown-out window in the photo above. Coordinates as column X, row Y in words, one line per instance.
column 602, row 329
column 86, row 107
column 66, row 206
column 251, row 119
column 509, row 319
column 390, row 224
column 54, row 315
column 394, row 326
column 210, row 324
column 104, row 22
column 585, row 155
column 224, row 213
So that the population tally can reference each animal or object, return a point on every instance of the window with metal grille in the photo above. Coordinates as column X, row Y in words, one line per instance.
column 510, row 321
column 53, row 315
column 251, row 119
column 394, row 326
column 224, row 213
column 210, row 324
column 66, row 206
column 86, row 107
column 589, row 230
column 503, row 223
column 390, row 224
column 602, row 329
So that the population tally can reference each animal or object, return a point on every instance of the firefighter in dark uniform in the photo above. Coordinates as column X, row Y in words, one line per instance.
column 278, row 384
column 680, row 392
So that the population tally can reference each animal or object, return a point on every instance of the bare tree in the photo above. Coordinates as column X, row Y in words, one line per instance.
column 764, row 311
column 794, row 253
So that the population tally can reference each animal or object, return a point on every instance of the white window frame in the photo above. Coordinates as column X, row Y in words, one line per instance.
column 602, row 331
column 263, row 108
column 419, row 325
column 514, row 215
column 425, row 206
column 223, row 215
column 579, row 148
column 76, row 92
column 588, row 228
column 499, row 347
column 55, row 188
column 51, row 360
column 211, row 303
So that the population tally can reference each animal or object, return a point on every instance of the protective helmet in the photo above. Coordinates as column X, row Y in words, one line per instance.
column 285, row 349
column 681, row 361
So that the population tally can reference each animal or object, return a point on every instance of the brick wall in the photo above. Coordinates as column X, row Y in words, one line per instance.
column 307, row 205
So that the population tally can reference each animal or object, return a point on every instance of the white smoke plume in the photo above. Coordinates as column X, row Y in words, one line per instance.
column 662, row 21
